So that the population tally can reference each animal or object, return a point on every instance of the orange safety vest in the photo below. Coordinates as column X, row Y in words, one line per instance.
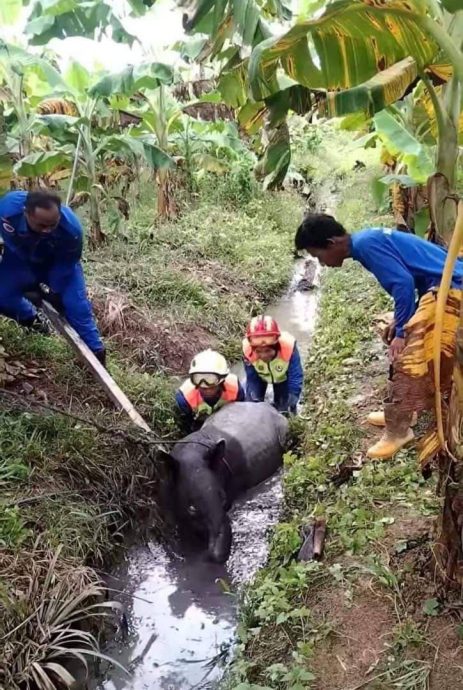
column 275, row 371
column 199, row 406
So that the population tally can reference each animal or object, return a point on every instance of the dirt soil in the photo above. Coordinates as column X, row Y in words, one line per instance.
column 364, row 620
column 361, row 629
column 149, row 339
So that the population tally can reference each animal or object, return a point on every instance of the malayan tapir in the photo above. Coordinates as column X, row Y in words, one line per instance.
column 237, row 448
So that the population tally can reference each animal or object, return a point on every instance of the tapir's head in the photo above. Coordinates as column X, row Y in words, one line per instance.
column 201, row 501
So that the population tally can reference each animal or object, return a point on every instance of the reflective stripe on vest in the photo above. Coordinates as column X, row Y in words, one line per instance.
column 199, row 406
column 275, row 371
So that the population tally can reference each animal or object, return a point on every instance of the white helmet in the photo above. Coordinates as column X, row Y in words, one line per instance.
column 208, row 362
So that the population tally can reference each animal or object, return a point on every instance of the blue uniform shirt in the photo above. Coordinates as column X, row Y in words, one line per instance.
column 402, row 263
column 53, row 258
column 60, row 248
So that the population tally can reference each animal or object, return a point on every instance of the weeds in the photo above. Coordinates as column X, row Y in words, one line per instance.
column 161, row 294
column 41, row 619
column 283, row 626
column 214, row 266
column 412, row 674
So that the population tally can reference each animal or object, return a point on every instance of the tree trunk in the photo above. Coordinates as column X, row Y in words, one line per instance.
column 166, row 207
column 443, row 204
column 449, row 547
column 97, row 236
column 6, row 165
column 442, row 200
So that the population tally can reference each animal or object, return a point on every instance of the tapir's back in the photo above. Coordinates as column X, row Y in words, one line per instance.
column 259, row 430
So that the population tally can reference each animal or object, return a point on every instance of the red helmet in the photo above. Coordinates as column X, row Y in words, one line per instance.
column 263, row 330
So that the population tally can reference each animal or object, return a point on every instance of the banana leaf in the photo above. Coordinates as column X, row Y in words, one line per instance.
column 246, row 18
column 132, row 79
column 10, row 11
column 142, row 146
column 6, row 166
column 384, row 89
column 346, row 46
column 50, row 19
column 399, row 141
column 274, row 164
column 452, row 5
column 43, row 163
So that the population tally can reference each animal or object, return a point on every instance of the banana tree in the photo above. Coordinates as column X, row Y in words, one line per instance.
column 404, row 133
column 233, row 29
column 142, row 90
column 356, row 55
column 402, row 143
column 209, row 147
column 88, row 137
column 266, row 94
column 5, row 159
column 17, row 67
column 50, row 19
column 390, row 32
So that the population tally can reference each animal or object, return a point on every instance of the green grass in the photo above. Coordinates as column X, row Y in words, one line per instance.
column 67, row 490
column 282, row 633
column 278, row 626
column 213, row 265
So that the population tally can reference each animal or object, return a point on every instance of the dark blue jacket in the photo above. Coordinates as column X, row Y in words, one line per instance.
column 59, row 250
column 53, row 259
column 403, row 264
column 185, row 408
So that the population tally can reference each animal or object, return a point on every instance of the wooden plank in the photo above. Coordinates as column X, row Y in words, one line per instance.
column 99, row 372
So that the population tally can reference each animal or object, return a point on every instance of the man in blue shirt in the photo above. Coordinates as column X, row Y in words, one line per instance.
column 406, row 266
column 42, row 244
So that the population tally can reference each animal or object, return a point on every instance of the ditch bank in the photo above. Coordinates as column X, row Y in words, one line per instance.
column 181, row 609
column 370, row 614
column 69, row 490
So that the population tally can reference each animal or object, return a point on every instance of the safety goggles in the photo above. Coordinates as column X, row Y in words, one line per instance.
column 263, row 341
column 204, row 380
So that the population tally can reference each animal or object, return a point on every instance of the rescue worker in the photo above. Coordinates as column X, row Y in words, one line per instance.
column 272, row 357
column 405, row 266
column 42, row 245
column 209, row 386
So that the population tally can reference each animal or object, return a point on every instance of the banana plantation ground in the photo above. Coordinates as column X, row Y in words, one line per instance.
column 70, row 490
column 371, row 613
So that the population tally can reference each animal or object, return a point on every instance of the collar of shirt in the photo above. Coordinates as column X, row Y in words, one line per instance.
column 23, row 230
column 352, row 248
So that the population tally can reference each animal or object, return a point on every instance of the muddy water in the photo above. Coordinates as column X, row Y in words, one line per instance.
column 181, row 611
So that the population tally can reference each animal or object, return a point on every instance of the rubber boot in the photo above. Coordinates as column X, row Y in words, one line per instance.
column 377, row 418
column 396, row 435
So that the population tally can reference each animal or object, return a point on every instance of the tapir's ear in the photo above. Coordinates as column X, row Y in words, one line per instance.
column 163, row 456
column 168, row 460
column 216, row 454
